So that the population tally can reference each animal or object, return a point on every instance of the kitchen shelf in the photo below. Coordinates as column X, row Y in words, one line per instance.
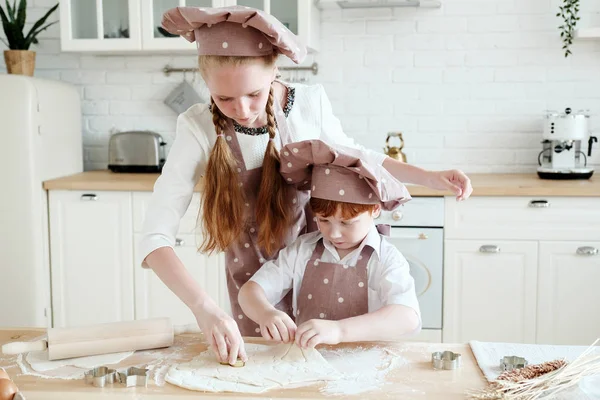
column 588, row 33
column 353, row 4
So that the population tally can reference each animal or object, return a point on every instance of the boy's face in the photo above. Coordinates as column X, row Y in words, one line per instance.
column 346, row 234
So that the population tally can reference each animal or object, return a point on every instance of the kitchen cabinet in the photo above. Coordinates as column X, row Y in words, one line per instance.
column 133, row 25
column 490, row 291
column 541, row 262
column 568, row 294
column 91, row 257
column 95, row 272
column 524, row 218
column 155, row 299
column 100, row 25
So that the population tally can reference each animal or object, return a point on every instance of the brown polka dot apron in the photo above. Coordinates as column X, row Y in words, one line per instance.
column 245, row 257
column 334, row 291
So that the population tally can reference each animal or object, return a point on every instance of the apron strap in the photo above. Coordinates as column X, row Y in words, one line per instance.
column 384, row 229
column 364, row 257
column 285, row 135
column 317, row 252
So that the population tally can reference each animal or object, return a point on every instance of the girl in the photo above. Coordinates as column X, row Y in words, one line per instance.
column 233, row 145
column 348, row 283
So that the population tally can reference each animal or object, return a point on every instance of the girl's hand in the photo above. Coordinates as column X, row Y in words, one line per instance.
column 317, row 331
column 454, row 180
column 223, row 334
column 277, row 325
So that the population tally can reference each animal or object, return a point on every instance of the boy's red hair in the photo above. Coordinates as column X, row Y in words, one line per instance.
column 327, row 208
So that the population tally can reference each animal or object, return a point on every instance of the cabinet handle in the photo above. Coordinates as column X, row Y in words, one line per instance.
column 89, row 197
column 420, row 236
column 179, row 242
column 489, row 248
column 587, row 251
column 539, row 204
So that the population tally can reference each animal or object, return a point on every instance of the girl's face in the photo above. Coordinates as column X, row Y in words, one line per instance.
column 241, row 91
column 346, row 234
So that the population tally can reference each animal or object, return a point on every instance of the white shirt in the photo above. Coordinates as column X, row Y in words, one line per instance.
column 310, row 117
column 389, row 278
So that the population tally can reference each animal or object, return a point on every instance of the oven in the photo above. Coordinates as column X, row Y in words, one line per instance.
column 417, row 231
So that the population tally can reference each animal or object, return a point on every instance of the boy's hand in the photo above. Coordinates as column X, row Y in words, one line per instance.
column 317, row 331
column 277, row 325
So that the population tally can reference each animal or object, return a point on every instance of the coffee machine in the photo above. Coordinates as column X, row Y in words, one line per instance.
column 562, row 157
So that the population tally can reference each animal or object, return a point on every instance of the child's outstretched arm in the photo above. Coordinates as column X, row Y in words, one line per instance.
column 389, row 323
column 453, row 180
column 274, row 324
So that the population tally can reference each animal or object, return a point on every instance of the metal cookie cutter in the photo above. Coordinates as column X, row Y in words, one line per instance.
column 238, row 364
column 134, row 377
column 100, row 376
column 445, row 360
column 508, row 363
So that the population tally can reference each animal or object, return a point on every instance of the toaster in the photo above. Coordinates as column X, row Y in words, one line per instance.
column 136, row 151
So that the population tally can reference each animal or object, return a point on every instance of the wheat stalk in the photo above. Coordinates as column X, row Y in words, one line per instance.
column 547, row 384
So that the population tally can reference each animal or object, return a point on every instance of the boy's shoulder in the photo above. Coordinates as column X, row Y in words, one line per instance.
column 390, row 253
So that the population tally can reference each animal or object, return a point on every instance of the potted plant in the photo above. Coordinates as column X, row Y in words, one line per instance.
column 569, row 12
column 19, row 59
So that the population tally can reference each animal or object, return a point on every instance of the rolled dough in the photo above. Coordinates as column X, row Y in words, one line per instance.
column 40, row 363
column 268, row 367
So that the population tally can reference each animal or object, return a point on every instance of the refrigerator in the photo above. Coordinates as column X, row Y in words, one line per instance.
column 41, row 139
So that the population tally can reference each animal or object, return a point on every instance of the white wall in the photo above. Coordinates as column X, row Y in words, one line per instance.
column 467, row 83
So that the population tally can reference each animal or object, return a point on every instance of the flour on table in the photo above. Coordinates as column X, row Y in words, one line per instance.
column 268, row 367
column 362, row 369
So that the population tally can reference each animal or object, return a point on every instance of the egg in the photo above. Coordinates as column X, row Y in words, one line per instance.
column 3, row 374
column 7, row 389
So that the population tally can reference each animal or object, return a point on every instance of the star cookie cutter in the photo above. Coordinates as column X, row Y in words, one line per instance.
column 508, row 363
column 445, row 360
column 100, row 376
column 134, row 376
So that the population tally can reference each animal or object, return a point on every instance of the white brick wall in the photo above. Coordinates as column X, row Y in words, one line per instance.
column 467, row 83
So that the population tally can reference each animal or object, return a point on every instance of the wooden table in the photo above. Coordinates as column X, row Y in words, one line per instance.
column 414, row 380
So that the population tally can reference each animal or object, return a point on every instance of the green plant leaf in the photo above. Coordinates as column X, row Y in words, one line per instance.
column 29, row 40
column 10, row 11
column 8, row 30
column 32, row 32
column 22, row 14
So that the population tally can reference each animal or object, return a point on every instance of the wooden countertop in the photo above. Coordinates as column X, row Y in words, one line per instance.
column 414, row 380
column 483, row 184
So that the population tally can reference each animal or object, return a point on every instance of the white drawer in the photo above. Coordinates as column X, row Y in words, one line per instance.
column 529, row 218
column 420, row 211
column 141, row 200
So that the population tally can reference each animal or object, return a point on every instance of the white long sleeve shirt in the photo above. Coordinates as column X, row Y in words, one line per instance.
column 388, row 272
column 310, row 118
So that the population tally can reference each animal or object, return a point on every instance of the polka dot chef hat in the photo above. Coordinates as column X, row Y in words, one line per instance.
column 339, row 174
column 233, row 31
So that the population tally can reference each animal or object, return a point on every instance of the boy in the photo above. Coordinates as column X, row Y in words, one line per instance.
column 349, row 283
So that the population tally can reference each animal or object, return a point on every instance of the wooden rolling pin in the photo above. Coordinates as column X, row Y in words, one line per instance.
column 104, row 338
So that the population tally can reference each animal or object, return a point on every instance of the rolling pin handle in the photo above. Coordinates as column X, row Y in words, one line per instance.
column 24, row 347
